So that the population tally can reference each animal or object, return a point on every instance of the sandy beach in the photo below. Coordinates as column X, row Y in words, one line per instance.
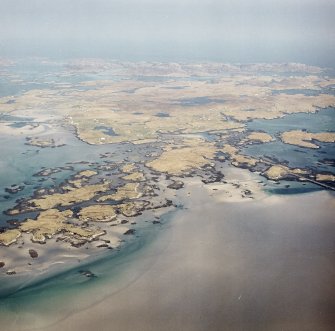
column 242, row 264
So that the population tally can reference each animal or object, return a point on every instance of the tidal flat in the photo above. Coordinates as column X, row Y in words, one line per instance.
column 221, row 261
column 167, row 196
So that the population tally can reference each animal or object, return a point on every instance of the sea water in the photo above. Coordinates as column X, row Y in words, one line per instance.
column 317, row 160
column 20, row 162
column 56, row 296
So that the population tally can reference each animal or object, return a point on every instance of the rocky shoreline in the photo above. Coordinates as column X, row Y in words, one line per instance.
column 196, row 127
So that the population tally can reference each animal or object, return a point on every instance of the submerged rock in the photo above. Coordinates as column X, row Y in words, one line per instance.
column 102, row 246
column 129, row 232
column 14, row 189
column 87, row 273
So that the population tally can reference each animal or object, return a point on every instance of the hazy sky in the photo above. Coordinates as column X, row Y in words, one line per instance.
column 221, row 30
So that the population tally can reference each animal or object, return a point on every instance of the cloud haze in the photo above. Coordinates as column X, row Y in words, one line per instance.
column 236, row 31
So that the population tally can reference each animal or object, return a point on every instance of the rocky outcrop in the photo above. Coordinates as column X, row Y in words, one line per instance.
column 33, row 254
column 130, row 232
column 176, row 185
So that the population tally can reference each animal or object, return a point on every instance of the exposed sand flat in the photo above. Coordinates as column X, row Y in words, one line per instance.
column 262, row 265
column 28, row 129
column 234, row 258
column 236, row 191
column 255, row 266
column 52, row 258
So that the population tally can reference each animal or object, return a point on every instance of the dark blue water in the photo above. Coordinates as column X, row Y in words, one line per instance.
column 300, row 157
column 323, row 120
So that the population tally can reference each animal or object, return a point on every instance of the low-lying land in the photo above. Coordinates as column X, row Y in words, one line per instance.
column 177, row 122
column 305, row 139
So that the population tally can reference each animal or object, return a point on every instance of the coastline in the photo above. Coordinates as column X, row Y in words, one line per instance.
column 223, row 261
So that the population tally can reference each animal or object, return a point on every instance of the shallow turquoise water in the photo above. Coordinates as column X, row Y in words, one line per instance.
column 60, row 295
column 20, row 162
